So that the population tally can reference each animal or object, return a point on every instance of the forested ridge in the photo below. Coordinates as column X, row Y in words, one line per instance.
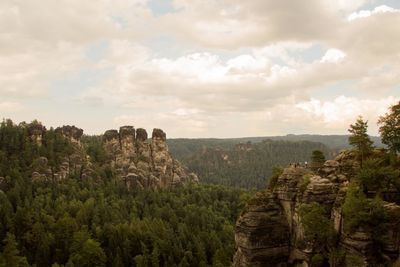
column 182, row 148
column 96, row 220
column 249, row 165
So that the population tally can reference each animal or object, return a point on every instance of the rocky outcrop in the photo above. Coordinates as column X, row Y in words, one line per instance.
column 76, row 164
column 262, row 233
column 72, row 133
column 140, row 162
column 137, row 161
column 269, row 231
column 36, row 131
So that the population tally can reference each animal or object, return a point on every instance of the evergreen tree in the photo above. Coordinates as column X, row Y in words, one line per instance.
column 90, row 254
column 317, row 159
column 390, row 128
column 360, row 139
column 10, row 256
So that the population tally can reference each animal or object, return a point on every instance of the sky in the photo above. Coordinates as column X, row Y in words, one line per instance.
column 195, row 68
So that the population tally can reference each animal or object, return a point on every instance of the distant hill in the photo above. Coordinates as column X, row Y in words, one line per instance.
column 249, row 165
column 182, row 148
column 228, row 162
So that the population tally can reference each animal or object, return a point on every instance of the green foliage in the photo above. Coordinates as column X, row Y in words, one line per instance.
column 376, row 176
column 89, row 224
column 337, row 257
column 249, row 165
column 276, row 172
column 360, row 139
column 362, row 213
column 87, row 253
column 10, row 256
column 318, row 228
column 95, row 149
column 354, row 261
column 97, row 221
column 317, row 159
column 390, row 128
column 184, row 148
column 317, row 260
column 305, row 181
column 18, row 154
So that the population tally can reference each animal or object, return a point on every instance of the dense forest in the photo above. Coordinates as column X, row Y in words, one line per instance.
column 250, row 165
column 97, row 221
column 183, row 148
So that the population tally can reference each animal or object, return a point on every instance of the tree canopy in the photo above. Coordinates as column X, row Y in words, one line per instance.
column 390, row 128
column 359, row 138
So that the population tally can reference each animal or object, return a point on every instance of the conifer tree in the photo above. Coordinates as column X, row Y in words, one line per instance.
column 390, row 128
column 360, row 139
column 317, row 159
column 10, row 256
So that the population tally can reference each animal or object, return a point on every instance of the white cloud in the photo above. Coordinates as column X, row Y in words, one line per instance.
column 234, row 62
column 367, row 13
column 333, row 56
column 340, row 112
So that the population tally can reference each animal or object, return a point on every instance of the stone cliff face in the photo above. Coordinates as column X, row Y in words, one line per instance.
column 140, row 163
column 269, row 230
column 76, row 164
column 137, row 162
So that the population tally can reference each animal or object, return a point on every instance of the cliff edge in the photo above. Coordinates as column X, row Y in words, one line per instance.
column 271, row 230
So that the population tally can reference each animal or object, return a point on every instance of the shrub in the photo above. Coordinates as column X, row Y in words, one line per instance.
column 317, row 260
column 318, row 228
column 276, row 172
column 304, row 183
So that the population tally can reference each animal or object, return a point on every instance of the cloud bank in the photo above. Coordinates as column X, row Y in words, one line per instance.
column 201, row 69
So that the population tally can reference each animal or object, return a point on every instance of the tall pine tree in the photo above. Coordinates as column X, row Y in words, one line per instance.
column 360, row 139
column 390, row 128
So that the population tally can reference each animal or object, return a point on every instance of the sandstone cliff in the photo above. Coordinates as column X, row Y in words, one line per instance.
column 136, row 161
column 76, row 163
column 269, row 231
column 143, row 163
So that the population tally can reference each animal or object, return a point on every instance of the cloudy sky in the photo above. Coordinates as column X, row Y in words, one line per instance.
column 196, row 68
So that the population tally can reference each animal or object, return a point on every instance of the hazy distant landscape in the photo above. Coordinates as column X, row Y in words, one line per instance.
column 185, row 147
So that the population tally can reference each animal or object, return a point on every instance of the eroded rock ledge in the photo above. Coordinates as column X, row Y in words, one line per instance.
column 269, row 230
column 141, row 162
column 137, row 161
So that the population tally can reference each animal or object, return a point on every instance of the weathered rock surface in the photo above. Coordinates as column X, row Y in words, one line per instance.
column 77, row 164
column 269, row 230
column 72, row 133
column 262, row 233
column 136, row 160
column 36, row 132
column 140, row 162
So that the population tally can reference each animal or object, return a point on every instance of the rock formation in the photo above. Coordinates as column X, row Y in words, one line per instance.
column 76, row 164
column 137, row 161
column 269, row 230
column 142, row 163
column 36, row 131
column 72, row 133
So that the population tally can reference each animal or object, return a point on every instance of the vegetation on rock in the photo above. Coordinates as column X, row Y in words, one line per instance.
column 345, row 212
column 390, row 128
column 360, row 139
